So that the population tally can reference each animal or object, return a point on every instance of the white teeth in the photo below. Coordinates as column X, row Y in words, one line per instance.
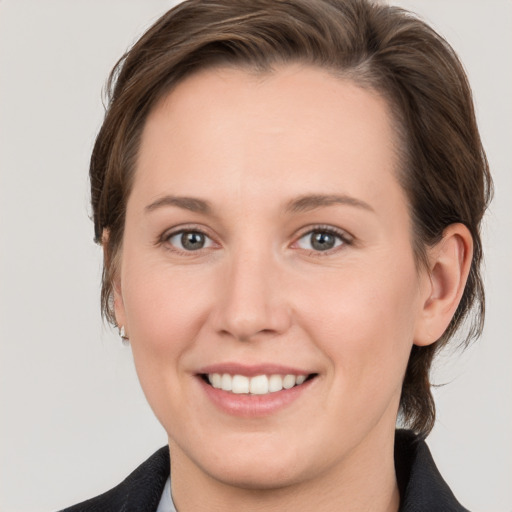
column 288, row 381
column 275, row 383
column 259, row 385
column 240, row 384
column 215, row 380
column 226, row 382
column 300, row 379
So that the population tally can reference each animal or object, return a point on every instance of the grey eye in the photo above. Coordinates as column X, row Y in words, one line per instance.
column 190, row 240
column 320, row 240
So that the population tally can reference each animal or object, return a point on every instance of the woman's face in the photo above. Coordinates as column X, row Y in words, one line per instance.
column 267, row 235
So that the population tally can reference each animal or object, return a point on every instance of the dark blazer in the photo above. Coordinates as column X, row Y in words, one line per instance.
column 422, row 489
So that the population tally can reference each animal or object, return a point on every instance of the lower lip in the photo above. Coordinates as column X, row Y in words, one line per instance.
column 251, row 406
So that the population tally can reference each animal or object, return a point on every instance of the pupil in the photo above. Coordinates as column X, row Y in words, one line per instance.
column 322, row 241
column 192, row 241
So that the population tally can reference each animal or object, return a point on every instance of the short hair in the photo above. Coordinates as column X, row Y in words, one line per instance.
column 443, row 167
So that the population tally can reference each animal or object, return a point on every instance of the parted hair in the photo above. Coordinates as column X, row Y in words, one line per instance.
column 443, row 167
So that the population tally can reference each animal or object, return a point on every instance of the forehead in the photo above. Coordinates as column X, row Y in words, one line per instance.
column 296, row 128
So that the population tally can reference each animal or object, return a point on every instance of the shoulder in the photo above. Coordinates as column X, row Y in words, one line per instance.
column 140, row 491
column 422, row 488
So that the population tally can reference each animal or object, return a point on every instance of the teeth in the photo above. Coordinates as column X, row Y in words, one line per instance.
column 226, row 382
column 275, row 383
column 240, row 384
column 259, row 385
column 288, row 381
column 216, row 380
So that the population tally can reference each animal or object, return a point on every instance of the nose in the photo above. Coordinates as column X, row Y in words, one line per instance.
column 252, row 302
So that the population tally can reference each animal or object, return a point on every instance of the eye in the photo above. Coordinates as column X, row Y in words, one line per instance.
column 189, row 240
column 321, row 240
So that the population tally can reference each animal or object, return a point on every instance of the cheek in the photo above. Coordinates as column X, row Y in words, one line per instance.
column 165, row 311
column 164, row 307
column 364, row 320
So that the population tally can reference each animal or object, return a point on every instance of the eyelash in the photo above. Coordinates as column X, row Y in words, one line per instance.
column 341, row 235
column 166, row 237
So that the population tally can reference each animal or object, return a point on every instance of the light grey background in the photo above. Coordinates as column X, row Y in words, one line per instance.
column 73, row 421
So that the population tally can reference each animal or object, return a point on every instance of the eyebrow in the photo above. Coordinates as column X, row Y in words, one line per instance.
column 310, row 202
column 187, row 203
column 298, row 205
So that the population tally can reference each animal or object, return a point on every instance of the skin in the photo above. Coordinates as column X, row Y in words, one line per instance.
column 250, row 145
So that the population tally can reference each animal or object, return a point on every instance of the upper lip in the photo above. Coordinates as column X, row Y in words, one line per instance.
column 252, row 370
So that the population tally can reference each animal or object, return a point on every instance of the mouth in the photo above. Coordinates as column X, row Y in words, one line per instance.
column 255, row 385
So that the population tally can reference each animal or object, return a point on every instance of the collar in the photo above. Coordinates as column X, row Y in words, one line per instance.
column 421, row 486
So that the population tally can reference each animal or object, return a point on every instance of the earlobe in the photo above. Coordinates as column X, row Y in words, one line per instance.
column 118, row 303
column 449, row 265
column 113, row 274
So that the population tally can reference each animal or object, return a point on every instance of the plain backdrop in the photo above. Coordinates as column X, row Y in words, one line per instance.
column 73, row 421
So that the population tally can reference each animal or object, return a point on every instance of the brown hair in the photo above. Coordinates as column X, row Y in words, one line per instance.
column 443, row 169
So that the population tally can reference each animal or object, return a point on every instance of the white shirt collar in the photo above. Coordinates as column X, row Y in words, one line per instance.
column 166, row 504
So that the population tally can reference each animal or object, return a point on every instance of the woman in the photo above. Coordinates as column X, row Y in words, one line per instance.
column 289, row 198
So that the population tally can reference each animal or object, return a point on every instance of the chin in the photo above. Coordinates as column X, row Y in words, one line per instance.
column 254, row 462
column 258, row 475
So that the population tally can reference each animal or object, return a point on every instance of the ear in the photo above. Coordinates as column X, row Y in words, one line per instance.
column 112, row 262
column 449, row 265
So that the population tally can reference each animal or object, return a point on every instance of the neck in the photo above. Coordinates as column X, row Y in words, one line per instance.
column 365, row 481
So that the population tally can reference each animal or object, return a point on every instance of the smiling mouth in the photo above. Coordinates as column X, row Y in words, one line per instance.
column 257, row 385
